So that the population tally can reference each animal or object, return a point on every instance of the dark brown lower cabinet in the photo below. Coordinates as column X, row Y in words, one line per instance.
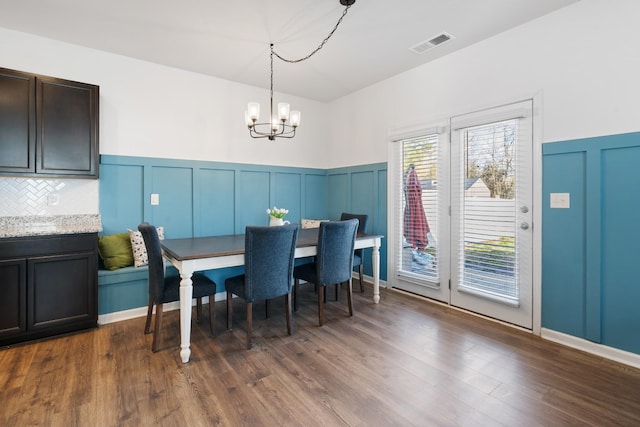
column 13, row 298
column 48, row 286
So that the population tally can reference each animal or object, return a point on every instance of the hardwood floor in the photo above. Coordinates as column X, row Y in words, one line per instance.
column 403, row 362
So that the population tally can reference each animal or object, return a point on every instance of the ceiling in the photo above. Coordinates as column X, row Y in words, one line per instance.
column 230, row 39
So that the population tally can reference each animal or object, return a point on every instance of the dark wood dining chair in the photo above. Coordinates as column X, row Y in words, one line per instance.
column 334, row 262
column 358, row 260
column 269, row 254
column 164, row 289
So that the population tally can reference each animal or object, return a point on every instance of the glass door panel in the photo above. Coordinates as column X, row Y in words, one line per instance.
column 491, row 214
column 422, row 259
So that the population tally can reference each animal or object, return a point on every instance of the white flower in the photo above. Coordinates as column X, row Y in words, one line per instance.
column 277, row 213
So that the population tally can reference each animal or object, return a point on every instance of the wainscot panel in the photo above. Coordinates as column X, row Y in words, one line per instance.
column 564, row 240
column 122, row 289
column 253, row 199
column 338, row 193
column 362, row 189
column 216, row 192
column 619, row 247
column 121, row 197
column 589, row 264
column 287, row 189
column 174, row 186
column 315, row 196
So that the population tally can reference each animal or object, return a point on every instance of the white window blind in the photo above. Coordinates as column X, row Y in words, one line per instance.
column 417, row 210
column 486, row 246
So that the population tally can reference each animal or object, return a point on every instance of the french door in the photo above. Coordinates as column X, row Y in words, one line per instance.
column 471, row 246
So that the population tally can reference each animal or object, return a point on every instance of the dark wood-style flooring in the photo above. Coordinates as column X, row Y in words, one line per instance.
column 403, row 362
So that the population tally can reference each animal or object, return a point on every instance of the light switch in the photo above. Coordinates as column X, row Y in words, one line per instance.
column 155, row 199
column 560, row 200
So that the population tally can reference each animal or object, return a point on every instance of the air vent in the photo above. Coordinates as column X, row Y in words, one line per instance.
column 424, row 46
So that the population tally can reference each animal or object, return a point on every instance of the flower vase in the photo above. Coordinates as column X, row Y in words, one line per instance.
column 275, row 222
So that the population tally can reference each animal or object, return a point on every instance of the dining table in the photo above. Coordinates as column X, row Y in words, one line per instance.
column 213, row 252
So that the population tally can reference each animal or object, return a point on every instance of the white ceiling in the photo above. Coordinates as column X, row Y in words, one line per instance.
column 230, row 39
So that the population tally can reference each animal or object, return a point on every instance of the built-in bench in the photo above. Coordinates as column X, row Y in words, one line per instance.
column 124, row 293
column 122, row 290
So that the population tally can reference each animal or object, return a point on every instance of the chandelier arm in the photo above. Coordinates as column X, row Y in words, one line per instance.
column 293, row 61
column 283, row 130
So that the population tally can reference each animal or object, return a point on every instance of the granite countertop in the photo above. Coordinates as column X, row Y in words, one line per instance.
column 22, row 226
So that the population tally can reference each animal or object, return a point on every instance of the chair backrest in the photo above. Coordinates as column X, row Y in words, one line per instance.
column 362, row 224
column 154, row 255
column 269, row 254
column 362, row 220
column 334, row 259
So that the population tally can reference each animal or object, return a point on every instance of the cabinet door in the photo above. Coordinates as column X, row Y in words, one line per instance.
column 61, row 291
column 67, row 128
column 13, row 296
column 17, row 122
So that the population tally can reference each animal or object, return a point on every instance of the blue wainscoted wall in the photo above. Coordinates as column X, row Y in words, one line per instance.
column 204, row 198
column 200, row 198
column 590, row 255
column 362, row 189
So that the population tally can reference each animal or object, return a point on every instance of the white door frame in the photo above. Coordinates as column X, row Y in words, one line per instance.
column 397, row 133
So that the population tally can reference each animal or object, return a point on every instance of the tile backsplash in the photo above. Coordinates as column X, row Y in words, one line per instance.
column 28, row 196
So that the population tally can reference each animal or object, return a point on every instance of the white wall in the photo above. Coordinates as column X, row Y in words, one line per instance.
column 156, row 111
column 584, row 61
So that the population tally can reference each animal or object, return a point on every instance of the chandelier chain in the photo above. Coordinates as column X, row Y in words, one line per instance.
column 320, row 46
column 277, row 125
column 271, row 84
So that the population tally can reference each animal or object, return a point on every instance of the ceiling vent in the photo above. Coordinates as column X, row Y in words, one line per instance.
column 426, row 45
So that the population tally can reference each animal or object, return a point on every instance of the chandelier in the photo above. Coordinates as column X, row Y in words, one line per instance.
column 285, row 122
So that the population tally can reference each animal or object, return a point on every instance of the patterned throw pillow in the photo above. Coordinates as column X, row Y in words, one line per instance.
column 311, row 223
column 137, row 246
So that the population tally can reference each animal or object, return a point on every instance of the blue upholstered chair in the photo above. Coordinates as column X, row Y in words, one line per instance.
column 269, row 254
column 357, row 254
column 164, row 289
column 334, row 261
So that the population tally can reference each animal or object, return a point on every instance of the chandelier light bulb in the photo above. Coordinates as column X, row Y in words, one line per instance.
column 247, row 119
column 253, row 110
column 283, row 111
column 294, row 118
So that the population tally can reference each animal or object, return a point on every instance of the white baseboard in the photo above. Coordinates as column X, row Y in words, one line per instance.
column 118, row 316
column 615, row 354
column 368, row 279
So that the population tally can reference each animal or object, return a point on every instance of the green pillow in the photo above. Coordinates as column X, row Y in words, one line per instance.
column 115, row 251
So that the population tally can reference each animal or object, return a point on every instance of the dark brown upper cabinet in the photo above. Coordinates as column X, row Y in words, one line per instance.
column 48, row 126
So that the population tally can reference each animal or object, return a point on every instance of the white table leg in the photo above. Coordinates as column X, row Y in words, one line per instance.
column 375, row 260
column 186, row 294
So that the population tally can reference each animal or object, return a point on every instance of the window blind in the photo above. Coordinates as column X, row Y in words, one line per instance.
column 486, row 247
column 417, row 210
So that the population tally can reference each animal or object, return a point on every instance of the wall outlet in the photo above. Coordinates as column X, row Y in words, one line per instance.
column 155, row 199
column 53, row 199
